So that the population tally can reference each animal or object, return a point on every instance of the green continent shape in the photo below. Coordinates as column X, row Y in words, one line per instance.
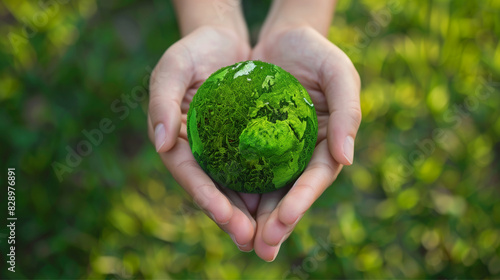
column 275, row 142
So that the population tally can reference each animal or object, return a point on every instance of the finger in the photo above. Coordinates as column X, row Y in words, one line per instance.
column 241, row 230
column 151, row 134
column 169, row 82
column 319, row 174
column 241, row 227
column 236, row 200
column 267, row 204
column 251, row 201
column 275, row 232
column 186, row 171
column 341, row 85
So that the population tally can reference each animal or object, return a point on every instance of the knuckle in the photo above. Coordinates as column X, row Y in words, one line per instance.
column 352, row 70
column 204, row 191
column 188, row 164
column 203, row 195
column 160, row 104
column 319, row 165
column 300, row 190
column 355, row 74
column 356, row 114
column 155, row 106
column 347, row 64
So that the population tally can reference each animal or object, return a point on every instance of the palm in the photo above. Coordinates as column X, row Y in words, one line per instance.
column 303, row 53
column 177, row 77
column 259, row 222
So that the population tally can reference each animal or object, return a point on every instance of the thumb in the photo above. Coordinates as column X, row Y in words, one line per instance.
column 169, row 82
column 341, row 84
column 342, row 128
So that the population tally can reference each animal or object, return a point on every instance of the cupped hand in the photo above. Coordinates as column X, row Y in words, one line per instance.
column 175, row 79
column 334, row 85
column 260, row 222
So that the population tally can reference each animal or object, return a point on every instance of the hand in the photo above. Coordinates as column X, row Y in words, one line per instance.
column 175, row 79
column 333, row 84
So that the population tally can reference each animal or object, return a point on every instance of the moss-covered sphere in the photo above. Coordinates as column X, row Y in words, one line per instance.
column 252, row 127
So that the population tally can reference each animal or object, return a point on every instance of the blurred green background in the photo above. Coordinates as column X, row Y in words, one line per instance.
column 421, row 201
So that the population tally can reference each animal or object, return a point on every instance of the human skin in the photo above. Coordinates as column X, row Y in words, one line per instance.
column 292, row 37
column 208, row 43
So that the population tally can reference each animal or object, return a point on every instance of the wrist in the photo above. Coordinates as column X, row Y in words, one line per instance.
column 224, row 14
column 279, row 28
column 293, row 14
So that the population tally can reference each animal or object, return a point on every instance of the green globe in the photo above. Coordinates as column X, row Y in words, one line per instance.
column 252, row 127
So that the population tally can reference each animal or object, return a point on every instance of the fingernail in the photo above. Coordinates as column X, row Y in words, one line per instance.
column 276, row 253
column 297, row 220
column 282, row 240
column 243, row 248
column 235, row 242
column 349, row 149
column 159, row 136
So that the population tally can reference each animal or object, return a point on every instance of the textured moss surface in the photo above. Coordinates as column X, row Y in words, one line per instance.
column 252, row 127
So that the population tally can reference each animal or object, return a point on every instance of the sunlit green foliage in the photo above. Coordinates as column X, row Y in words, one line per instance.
column 420, row 201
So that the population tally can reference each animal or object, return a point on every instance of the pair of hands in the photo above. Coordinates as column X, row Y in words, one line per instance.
column 254, row 221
